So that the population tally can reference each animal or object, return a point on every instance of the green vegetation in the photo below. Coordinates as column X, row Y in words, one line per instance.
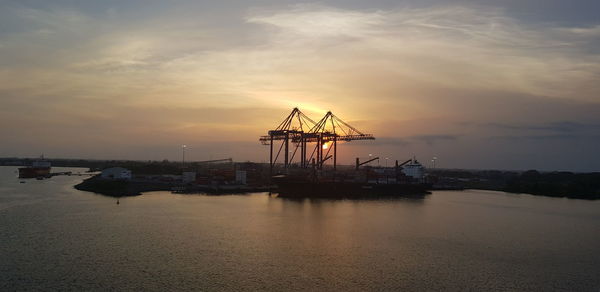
column 556, row 184
column 553, row 184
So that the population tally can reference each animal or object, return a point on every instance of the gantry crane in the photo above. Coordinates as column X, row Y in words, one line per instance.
column 292, row 129
column 326, row 133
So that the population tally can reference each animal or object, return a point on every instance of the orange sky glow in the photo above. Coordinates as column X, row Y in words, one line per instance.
column 475, row 85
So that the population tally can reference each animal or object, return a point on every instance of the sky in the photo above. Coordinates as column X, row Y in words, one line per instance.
column 478, row 84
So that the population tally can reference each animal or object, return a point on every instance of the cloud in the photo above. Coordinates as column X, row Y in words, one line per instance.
column 392, row 141
column 286, row 49
column 432, row 139
column 561, row 126
column 550, row 137
column 454, row 46
column 314, row 21
column 412, row 140
column 406, row 75
column 584, row 32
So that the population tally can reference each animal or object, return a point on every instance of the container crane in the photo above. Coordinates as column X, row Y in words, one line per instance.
column 325, row 133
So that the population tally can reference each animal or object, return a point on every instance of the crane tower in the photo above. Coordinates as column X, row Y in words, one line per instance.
column 300, row 133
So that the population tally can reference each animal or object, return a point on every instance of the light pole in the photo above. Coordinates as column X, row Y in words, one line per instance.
column 183, row 155
column 387, row 179
column 433, row 161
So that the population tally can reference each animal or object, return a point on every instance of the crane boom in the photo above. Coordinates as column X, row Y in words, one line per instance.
column 216, row 160
column 405, row 162
column 358, row 163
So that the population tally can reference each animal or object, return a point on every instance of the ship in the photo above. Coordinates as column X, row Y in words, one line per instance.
column 287, row 187
column 39, row 168
column 367, row 183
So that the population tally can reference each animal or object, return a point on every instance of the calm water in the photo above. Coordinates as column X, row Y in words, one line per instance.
column 53, row 237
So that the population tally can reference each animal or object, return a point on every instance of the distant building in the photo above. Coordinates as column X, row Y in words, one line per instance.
column 116, row 173
column 188, row 176
column 240, row 177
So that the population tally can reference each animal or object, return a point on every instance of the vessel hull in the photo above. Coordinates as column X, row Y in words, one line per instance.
column 287, row 188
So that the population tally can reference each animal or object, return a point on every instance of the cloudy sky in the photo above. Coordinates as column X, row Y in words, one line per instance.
column 480, row 84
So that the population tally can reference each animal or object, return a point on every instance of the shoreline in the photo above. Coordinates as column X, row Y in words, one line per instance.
column 116, row 188
column 113, row 188
column 119, row 188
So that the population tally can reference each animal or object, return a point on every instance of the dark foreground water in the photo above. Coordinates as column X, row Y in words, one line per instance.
column 53, row 237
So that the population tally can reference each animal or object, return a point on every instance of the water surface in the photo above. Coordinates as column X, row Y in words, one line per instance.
column 54, row 237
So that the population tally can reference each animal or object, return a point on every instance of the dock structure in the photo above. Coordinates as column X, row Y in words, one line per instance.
column 301, row 133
